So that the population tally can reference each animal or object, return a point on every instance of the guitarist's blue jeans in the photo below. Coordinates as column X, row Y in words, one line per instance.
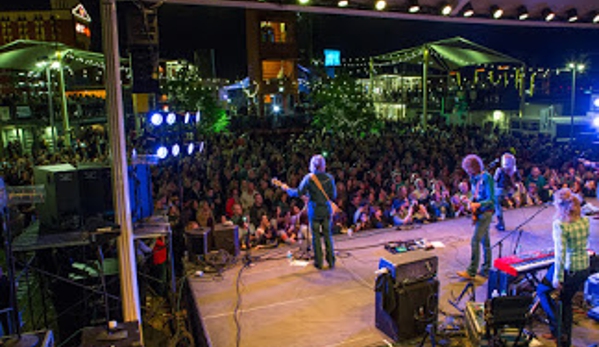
column 499, row 196
column 321, row 226
column 481, row 237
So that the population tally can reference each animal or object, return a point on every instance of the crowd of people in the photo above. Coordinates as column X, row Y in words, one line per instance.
column 402, row 176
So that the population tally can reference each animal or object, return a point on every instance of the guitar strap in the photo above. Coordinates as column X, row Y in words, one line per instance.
column 317, row 181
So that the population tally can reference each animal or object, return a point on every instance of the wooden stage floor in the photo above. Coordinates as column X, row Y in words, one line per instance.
column 285, row 305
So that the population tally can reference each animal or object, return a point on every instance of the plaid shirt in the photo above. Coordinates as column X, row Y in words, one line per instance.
column 571, row 242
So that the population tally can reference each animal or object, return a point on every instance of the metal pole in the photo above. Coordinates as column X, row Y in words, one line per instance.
column 425, row 57
column 572, row 106
column 118, row 148
column 51, row 107
column 63, row 103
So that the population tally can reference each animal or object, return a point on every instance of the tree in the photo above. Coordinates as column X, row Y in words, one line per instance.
column 342, row 105
column 187, row 92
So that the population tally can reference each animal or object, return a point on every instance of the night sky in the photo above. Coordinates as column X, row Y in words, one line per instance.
column 184, row 29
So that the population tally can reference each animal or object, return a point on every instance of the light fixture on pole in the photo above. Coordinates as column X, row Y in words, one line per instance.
column 522, row 13
column 574, row 68
column 572, row 15
column 468, row 10
column 548, row 15
column 413, row 6
column 496, row 12
column 446, row 9
column 380, row 5
column 343, row 3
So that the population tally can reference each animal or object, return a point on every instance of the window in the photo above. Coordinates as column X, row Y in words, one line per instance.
column 273, row 32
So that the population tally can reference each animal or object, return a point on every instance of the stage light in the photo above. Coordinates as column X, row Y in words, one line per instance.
column 496, row 12
column 187, row 117
column 190, row 148
column 548, row 15
column 343, row 3
column 276, row 108
column 380, row 5
column 446, row 10
column 304, row 2
column 596, row 17
column 596, row 122
column 161, row 152
column 522, row 13
column 156, row 119
column 176, row 150
column 413, row 6
column 171, row 118
column 596, row 102
column 468, row 10
column 572, row 15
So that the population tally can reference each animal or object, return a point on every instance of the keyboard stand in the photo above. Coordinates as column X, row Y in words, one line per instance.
column 468, row 289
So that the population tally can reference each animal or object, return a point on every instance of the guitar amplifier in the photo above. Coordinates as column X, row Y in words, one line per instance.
column 411, row 267
column 198, row 242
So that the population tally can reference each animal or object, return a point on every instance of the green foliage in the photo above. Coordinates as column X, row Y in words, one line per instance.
column 343, row 105
column 186, row 92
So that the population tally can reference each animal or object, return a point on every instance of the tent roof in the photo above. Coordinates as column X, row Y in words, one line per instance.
column 27, row 54
column 449, row 54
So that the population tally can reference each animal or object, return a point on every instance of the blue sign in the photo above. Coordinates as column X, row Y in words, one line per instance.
column 332, row 57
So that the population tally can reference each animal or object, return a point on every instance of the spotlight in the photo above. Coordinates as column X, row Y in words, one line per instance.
column 596, row 102
column 176, row 150
column 276, row 108
column 304, row 2
column 380, row 5
column 446, row 10
column 190, row 148
column 548, row 15
column 343, row 3
column 596, row 17
column 413, row 6
column 156, row 119
column 162, row 152
column 468, row 10
column 198, row 116
column 171, row 118
column 187, row 117
column 572, row 15
column 596, row 122
column 522, row 13
column 496, row 12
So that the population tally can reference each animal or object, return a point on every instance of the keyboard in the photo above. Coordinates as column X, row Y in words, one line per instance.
column 519, row 264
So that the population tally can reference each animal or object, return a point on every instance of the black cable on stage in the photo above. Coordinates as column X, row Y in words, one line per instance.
column 238, row 305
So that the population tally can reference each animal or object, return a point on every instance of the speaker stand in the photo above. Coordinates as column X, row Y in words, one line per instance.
column 468, row 289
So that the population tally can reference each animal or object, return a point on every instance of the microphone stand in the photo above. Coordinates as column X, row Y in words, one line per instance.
column 499, row 244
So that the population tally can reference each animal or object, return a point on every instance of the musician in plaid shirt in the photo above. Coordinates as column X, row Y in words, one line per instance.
column 571, row 266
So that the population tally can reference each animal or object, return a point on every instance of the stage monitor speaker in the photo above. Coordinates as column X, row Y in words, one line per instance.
column 411, row 267
column 95, row 188
column 60, row 211
column 198, row 242
column 402, row 312
column 226, row 237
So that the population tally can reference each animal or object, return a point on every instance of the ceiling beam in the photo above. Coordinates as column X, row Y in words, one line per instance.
column 374, row 14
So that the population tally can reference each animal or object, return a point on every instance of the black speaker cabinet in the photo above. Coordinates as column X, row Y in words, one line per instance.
column 402, row 312
column 226, row 237
column 95, row 188
column 198, row 242
column 410, row 267
column 60, row 211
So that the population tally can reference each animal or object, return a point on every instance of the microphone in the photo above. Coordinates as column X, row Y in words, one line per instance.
column 495, row 162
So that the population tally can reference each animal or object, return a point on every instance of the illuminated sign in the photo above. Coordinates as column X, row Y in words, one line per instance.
column 82, row 29
column 80, row 12
column 332, row 57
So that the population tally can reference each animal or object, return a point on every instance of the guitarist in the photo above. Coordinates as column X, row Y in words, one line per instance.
column 320, row 187
column 482, row 207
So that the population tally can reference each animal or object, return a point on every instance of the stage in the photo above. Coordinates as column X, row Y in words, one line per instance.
column 287, row 305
